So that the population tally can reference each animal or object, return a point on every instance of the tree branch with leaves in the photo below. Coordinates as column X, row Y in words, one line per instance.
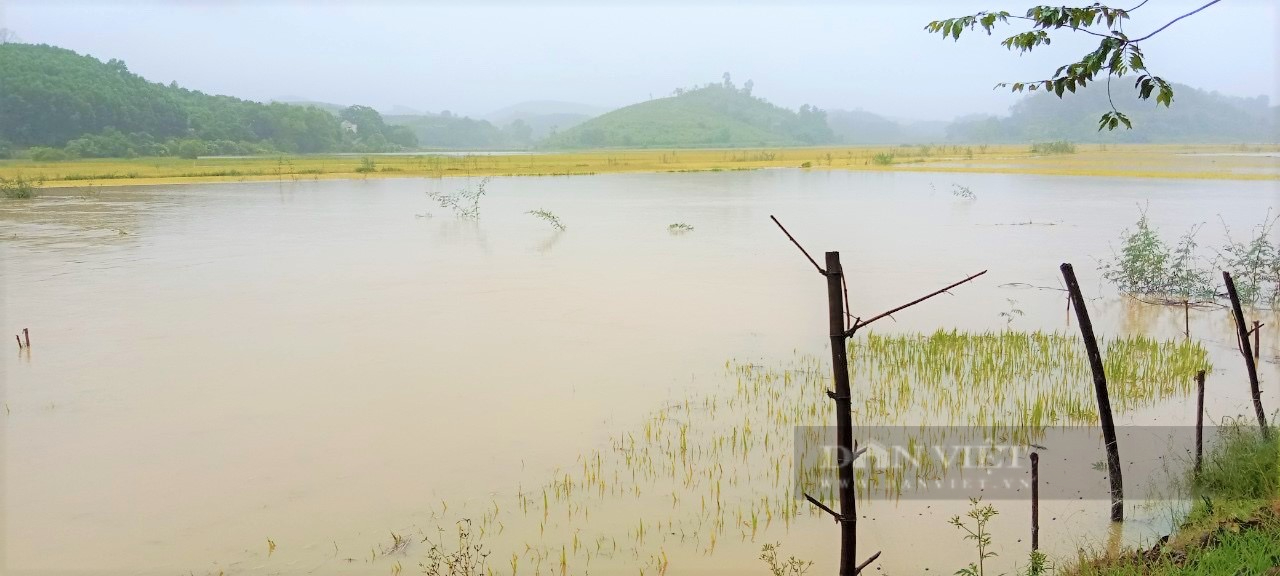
column 1117, row 54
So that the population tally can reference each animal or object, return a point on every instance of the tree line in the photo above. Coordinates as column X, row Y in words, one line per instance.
column 61, row 104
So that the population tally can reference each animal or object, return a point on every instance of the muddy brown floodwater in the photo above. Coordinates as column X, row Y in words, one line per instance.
column 323, row 364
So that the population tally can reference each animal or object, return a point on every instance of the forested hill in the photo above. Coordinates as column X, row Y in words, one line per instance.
column 1196, row 116
column 715, row 115
column 81, row 106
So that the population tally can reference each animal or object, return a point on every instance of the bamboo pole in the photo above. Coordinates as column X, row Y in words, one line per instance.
column 1100, row 387
column 1243, row 334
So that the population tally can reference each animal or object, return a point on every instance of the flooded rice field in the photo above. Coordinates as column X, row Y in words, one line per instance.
column 316, row 377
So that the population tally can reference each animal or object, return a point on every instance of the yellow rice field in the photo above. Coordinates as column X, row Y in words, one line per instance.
column 1234, row 162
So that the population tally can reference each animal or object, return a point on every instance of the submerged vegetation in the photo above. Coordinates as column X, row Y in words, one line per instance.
column 464, row 202
column 1147, row 267
column 548, row 217
column 722, row 465
column 792, row 566
column 468, row 557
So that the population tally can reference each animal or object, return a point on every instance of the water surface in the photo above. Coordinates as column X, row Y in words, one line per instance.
column 324, row 363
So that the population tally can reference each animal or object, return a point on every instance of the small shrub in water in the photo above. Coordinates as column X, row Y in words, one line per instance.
column 467, row 559
column 1254, row 264
column 792, row 566
column 1147, row 266
column 679, row 228
column 367, row 165
column 882, row 159
column 465, row 203
column 1140, row 266
column 981, row 515
column 548, row 217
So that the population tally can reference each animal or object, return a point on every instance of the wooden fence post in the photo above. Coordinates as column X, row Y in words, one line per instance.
column 844, row 417
column 1035, row 501
column 1243, row 334
column 842, row 325
column 1100, row 387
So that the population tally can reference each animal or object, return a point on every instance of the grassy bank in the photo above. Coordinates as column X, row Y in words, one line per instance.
column 1180, row 161
column 1234, row 527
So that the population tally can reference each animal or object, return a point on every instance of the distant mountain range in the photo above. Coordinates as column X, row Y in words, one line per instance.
column 1195, row 116
column 857, row 127
column 76, row 105
column 545, row 117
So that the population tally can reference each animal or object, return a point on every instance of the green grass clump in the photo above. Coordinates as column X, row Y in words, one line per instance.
column 1234, row 528
column 1056, row 147
column 1241, row 466
column 679, row 228
column 18, row 188
column 882, row 159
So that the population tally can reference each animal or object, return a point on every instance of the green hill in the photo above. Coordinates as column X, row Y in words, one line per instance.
column 75, row 105
column 711, row 116
column 1195, row 116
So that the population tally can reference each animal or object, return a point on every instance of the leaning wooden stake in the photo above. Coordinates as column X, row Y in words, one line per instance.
column 1100, row 387
column 27, row 337
column 1199, row 420
column 1035, row 501
column 1250, row 366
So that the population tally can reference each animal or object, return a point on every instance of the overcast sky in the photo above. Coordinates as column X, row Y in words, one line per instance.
column 474, row 58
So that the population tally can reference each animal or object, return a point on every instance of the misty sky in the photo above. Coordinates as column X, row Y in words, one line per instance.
column 477, row 57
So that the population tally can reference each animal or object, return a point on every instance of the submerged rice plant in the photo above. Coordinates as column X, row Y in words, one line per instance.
column 721, row 467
